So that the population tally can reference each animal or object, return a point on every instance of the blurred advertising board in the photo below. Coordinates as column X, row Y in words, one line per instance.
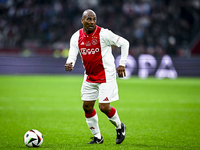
column 143, row 66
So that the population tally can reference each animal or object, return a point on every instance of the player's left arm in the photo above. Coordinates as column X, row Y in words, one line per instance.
column 121, row 71
column 124, row 44
column 114, row 39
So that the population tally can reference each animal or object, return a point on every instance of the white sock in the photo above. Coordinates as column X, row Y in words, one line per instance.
column 92, row 123
column 115, row 120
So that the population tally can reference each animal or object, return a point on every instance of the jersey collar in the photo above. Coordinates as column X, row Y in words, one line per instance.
column 91, row 34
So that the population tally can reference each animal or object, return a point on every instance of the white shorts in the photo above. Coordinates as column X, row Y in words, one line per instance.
column 105, row 92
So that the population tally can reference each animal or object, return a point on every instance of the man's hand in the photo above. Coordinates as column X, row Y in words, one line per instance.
column 121, row 71
column 69, row 66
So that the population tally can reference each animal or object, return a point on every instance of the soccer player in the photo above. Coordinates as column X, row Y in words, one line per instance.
column 94, row 45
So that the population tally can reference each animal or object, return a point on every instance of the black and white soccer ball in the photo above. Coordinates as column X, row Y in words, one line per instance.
column 33, row 138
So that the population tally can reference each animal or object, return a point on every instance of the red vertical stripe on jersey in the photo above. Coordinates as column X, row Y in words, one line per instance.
column 90, row 49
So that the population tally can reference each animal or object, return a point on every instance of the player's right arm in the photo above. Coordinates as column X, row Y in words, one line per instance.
column 69, row 67
column 73, row 52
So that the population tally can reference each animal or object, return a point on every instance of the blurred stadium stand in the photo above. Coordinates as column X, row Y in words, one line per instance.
column 155, row 27
column 32, row 28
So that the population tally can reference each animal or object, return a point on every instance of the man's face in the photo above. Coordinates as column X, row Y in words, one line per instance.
column 89, row 22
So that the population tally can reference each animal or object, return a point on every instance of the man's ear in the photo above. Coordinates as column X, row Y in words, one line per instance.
column 81, row 20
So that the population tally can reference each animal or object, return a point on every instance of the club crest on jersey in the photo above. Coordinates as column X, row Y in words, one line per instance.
column 94, row 42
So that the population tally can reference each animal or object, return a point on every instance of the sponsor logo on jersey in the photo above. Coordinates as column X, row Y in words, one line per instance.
column 88, row 51
column 92, row 128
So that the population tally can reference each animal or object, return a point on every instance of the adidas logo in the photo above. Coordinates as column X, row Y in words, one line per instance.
column 106, row 99
column 92, row 128
column 82, row 43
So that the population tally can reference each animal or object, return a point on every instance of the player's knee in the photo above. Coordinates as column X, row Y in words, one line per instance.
column 88, row 107
column 105, row 107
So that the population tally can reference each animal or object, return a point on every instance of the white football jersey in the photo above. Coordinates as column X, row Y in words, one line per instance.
column 96, row 53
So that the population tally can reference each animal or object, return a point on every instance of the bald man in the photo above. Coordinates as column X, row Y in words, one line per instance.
column 93, row 43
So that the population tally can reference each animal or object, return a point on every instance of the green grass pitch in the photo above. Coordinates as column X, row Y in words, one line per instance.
column 159, row 114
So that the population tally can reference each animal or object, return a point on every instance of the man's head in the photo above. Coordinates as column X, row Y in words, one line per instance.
column 89, row 21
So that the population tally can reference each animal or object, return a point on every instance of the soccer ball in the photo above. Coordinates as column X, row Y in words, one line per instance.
column 33, row 138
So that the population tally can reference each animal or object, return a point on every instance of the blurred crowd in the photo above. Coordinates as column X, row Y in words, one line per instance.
column 155, row 27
